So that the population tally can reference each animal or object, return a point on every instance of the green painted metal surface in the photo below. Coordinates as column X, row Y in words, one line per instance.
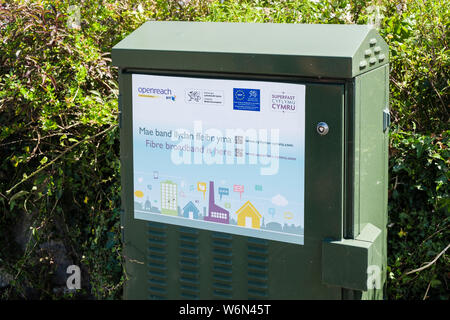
column 331, row 51
column 372, row 97
column 348, row 262
column 345, row 170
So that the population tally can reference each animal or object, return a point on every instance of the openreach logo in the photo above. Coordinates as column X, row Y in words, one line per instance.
column 156, row 93
column 259, row 147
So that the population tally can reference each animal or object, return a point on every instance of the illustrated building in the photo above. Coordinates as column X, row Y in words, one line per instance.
column 190, row 211
column 248, row 216
column 275, row 226
column 215, row 213
column 137, row 205
column 169, row 198
column 148, row 205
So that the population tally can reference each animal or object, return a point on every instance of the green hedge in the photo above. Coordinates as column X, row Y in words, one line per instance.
column 59, row 174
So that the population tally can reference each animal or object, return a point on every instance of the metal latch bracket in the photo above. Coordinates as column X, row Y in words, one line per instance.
column 349, row 262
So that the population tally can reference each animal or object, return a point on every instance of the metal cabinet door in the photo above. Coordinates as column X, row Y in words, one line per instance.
column 295, row 272
column 171, row 262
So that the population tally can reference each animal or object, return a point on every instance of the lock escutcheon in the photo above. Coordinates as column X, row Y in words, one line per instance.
column 322, row 128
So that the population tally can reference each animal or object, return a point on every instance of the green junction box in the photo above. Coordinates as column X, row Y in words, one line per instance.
column 254, row 160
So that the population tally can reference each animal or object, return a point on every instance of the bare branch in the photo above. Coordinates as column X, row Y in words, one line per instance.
column 59, row 156
column 429, row 264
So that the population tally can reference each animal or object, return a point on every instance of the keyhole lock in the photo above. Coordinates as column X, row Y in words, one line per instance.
column 322, row 128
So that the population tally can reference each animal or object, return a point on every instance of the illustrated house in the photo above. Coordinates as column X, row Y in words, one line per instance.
column 248, row 216
column 169, row 198
column 216, row 213
column 190, row 211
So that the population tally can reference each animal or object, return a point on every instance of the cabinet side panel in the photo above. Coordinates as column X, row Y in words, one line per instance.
column 372, row 154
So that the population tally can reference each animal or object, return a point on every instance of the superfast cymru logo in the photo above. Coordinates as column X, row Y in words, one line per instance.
column 284, row 102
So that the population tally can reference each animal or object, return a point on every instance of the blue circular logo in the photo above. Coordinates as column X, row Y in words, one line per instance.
column 240, row 95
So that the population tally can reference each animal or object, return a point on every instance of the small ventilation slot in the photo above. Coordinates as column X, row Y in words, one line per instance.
column 257, row 257
column 189, row 263
column 222, row 265
column 157, row 261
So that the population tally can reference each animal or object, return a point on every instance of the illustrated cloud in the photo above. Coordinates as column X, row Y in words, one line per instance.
column 279, row 200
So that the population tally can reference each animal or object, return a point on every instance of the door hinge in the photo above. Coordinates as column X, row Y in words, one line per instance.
column 386, row 120
column 120, row 110
column 122, row 228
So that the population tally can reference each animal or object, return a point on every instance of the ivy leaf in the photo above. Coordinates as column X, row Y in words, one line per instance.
column 402, row 233
column 436, row 156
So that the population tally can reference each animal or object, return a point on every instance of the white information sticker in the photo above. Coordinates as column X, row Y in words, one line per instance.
column 220, row 155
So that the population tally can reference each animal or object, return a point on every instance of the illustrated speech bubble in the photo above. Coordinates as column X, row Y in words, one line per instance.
column 201, row 186
column 238, row 188
column 288, row 215
column 272, row 211
column 223, row 192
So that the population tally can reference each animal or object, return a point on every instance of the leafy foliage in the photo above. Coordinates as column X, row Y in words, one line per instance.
column 419, row 49
column 418, row 215
column 60, row 173
column 59, row 149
